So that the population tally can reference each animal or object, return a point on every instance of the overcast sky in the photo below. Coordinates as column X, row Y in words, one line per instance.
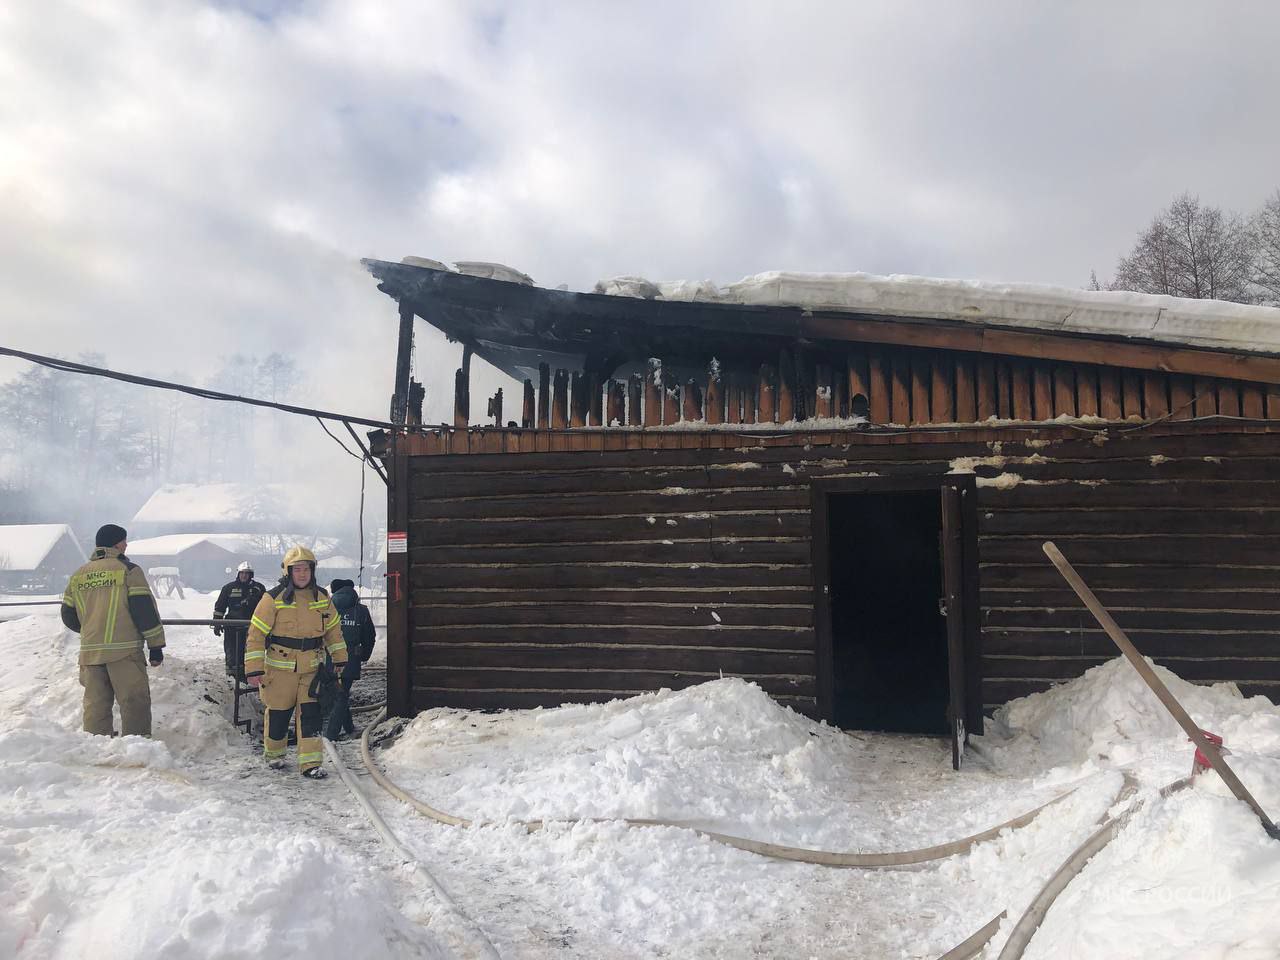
column 180, row 181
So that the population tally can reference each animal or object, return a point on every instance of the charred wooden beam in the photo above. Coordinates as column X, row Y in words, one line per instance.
column 616, row 412
column 824, row 397
column 495, row 408
column 786, row 387
column 653, row 393
column 544, row 395
column 404, row 351
column 635, row 400
column 595, row 402
column 560, row 400
column 715, row 396
column 577, row 400
column 692, row 407
column 461, row 407
column 417, row 395
column 766, row 412
column 528, row 417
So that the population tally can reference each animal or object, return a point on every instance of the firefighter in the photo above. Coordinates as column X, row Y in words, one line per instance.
column 237, row 601
column 109, row 604
column 283, row 655
column 360, row 635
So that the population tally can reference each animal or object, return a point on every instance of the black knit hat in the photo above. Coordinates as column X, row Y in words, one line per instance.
column 109, row 535
column 337, row 585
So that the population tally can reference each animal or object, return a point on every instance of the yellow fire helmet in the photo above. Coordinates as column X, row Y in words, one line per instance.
column 298, row 555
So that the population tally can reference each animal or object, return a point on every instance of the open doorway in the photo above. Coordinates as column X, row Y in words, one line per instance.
column 896, row 587
column 888, row 634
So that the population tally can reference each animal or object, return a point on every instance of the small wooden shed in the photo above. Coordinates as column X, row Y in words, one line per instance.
column 836, row 487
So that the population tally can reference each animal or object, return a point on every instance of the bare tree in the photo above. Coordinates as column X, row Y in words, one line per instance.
column 1266, row 231
column 1191, row 250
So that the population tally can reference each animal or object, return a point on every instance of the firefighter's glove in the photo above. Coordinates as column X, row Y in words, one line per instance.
column 157, row 656
column 217, row 631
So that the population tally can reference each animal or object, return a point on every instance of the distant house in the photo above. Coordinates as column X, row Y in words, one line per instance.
column 220, row 508
column 38, row 556
column 208, row 560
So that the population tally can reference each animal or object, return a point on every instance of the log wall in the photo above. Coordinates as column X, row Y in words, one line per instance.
column 587, row 574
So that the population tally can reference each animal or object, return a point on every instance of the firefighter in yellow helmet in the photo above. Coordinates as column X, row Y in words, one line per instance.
column 282, row 655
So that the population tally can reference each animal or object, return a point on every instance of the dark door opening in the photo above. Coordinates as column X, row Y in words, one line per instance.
column 889, row 655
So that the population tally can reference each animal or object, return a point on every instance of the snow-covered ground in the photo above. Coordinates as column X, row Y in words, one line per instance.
column 184, row 846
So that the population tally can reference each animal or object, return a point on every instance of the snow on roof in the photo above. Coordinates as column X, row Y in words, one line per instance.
column 24, row 546
column 1205, row 323
column 337, row 563
column 241, row 544
column 214, row 503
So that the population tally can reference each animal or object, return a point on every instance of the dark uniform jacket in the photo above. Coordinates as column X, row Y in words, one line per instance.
column 237, row 601
column 357, row 630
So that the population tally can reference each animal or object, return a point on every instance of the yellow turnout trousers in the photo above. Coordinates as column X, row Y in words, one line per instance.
column 281, row 691
column 120, row 680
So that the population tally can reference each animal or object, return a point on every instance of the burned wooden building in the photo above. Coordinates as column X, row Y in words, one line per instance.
column 837, row 488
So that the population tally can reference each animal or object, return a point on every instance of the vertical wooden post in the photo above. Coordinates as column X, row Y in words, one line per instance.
column 595, row 401
column 577, row 400
column 767, row 412
column 692, row 408
column 635, row 400
column 1064, row 391
column 544, row 396
column 560, row 401
column 671, row 404
column 417, row 394
column 1004, row 390
column 653, row 393
column 1041, row 391
column 1155, row 395
column 986, row 388
column 879, row 389
column 823, row 394
column 461, row 408
column 966, row 394
column 1087, row 391
column 901, row 389
column 943, row 402
column 616, row 413
column 715, row 399
column 1110, row 398
column 528, row 415
column 1020, row 404
column 1206, row 397
column 1251, row 403
column 1228, row 398
column 495, row 408
column 399, row 647
column 1180, row 397
column 786, row 388
column 1131, row 394
column 920, row 373
column 404, row 350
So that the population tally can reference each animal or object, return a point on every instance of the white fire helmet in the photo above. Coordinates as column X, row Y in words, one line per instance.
column 245, row 566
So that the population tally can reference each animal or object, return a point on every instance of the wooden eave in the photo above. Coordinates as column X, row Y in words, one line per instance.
column 600, row 327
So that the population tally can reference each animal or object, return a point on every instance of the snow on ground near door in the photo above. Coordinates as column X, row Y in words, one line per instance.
column 185, row 847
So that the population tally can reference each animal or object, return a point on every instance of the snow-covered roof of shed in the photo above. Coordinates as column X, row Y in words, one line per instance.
column 1205, row 323
column 241, row 544
column 213, row 503
column 24, row 546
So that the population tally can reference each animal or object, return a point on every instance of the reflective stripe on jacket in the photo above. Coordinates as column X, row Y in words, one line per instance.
column 307, row 615
column 108, row 602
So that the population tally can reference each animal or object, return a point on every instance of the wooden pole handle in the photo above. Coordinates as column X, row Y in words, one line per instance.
column 1157, row 686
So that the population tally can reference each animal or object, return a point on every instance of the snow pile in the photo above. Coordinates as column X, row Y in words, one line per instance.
column 721, row 755
column 182, row 845
column 1109, row 716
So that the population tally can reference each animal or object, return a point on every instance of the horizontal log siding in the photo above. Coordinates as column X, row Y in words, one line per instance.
column 542, row 578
